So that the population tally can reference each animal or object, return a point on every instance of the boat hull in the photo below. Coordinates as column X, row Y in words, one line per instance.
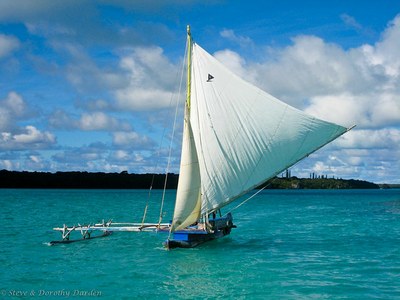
column 191, row 237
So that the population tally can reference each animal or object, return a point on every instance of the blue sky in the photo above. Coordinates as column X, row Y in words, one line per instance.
column 87, row 85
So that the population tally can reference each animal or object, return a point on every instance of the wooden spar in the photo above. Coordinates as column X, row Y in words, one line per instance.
column 121, row 227
column 107, row 228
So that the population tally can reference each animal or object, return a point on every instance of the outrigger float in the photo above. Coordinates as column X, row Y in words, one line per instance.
column 104, row 229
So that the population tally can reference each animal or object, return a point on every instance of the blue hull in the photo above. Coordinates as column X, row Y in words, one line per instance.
column 192, row 237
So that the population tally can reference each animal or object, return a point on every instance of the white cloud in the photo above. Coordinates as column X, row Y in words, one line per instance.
column 5, row 118
column 101, row 121
column 234, row 62
column 359, row 85
column 29, row 138
column 60, row 119
column 386, row 52
column 12, row 108
column 12, row 10
column 95, row 105
column 386, row 110
column 35, row 158
column 140, row 78
column 84, row 73
column 310, row 68
column 100, row 157
column 350, row 21
column 8, row 164
column 81, row 156
column 121, row 155
column 45, row 28
column 355, row 86
column 342, row 109
column 242, row 41
column 94, row 121
column 347, row 86
column 151, row 78
column 386, row 138
column 132, row 140
column 15, row 103
column 362, row 154
column 7, row 45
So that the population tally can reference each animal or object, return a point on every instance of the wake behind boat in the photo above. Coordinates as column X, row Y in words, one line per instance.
column 235, row 138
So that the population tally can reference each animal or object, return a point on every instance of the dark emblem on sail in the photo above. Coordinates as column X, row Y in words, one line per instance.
column 210, row 78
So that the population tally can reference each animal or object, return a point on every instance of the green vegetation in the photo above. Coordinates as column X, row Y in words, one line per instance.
column 123, row 180
column 389, row 186
column 319, row 183
column 84, row 180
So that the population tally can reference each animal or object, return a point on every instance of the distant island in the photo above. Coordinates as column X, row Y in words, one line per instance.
column 319, row 183
column 124, row 180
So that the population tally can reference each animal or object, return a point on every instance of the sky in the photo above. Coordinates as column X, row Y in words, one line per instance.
column 91, row 85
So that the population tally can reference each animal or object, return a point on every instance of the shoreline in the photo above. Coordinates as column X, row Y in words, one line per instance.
column 123, row 180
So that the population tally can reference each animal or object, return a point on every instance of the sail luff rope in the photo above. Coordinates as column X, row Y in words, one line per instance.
column 171, row 142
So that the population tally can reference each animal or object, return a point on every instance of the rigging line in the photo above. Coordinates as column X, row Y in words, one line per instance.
column 147, row 202
column 272, row 179
column 252, row 196
column 156, row 167
column 158, row 160
column 172, row 140
column 291, row 165
column 286, row 167
column 253, row 170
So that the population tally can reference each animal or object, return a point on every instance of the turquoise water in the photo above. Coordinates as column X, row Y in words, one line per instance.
column 288, row 245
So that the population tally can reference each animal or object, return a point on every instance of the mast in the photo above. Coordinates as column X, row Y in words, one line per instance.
column 189, row 66
column 188, row 196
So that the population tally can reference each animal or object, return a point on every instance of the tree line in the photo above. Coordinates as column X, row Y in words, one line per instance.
column 85, row 180
column 319, row 183
column 123, row 180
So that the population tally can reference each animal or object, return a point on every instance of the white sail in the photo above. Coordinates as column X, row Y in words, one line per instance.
column 244, row 136
column 188, row 200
